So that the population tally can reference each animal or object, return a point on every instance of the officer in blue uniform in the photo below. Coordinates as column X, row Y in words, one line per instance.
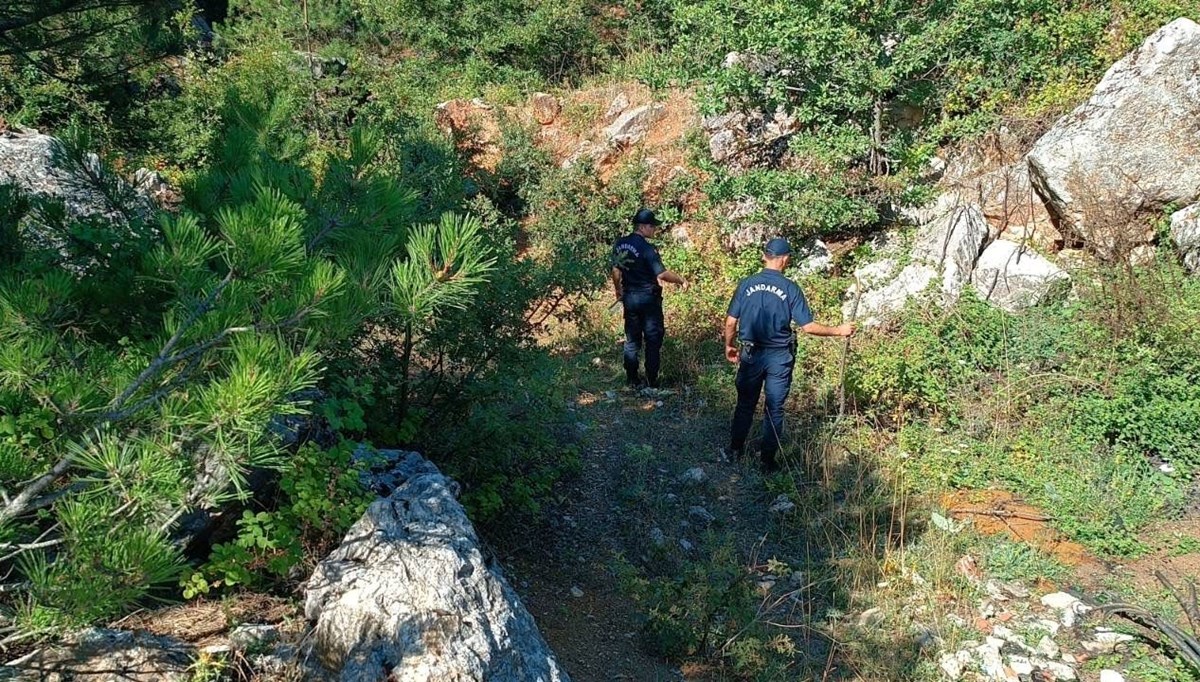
column 638, row 274
column 761, row 314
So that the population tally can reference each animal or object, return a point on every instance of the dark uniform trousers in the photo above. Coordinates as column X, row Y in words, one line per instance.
column 643, row 326
column 762, row 368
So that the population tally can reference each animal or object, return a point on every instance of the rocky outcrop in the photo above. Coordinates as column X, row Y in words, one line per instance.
column 1132, row 146
column 100, row 655
column 741, row 140
column 950, row 244
column 40, row 167
column 945, row 248
column 632, row 125
column 409, row 595
column 1185, row 233
column 1013, row 277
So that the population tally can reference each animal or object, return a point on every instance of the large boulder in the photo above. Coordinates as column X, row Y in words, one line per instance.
column 41, row 168
column 1013, row 277
column 946, row 248
column 1132, row 147
column 409, row 596
column 1185, row 232
column 950, row 244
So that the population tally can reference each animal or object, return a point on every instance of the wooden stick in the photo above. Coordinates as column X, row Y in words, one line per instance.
column 1001, row 514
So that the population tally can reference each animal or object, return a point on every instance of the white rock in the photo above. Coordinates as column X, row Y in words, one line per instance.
column 811, row 257
column 1047, row 648
column 658, row 537
column 1133, row 143
column 685, row 545
column 1061, row 671
column 693, row 476
column 1111, row 676
column 877, row 305
column 1185, row 233
column 1106, row 642
column 1014, row 278
column 722, row 145
column 1020, row 665
column 410, row 595
column 955, row 664
column 951, row 244
column 619, row 104
column 632, row 125
column 576, row 592
column 991, row 662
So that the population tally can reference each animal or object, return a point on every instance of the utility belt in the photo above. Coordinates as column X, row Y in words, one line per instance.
column 751, row 346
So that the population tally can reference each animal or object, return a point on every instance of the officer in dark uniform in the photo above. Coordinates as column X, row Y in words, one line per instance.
column 637, row 276
column 761, row 314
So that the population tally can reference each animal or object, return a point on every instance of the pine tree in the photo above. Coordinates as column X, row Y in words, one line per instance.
column 149, row 383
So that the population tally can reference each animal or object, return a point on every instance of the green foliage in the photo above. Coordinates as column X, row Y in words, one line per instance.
column 322, row 496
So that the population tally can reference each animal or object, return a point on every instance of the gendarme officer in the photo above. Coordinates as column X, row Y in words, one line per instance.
column 761, row 314
column 638, row 274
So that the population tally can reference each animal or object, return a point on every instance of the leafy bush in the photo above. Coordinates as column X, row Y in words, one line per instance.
column 322, row 496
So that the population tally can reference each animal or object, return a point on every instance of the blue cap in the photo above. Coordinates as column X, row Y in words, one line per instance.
column 646, row 217
column 777, row 247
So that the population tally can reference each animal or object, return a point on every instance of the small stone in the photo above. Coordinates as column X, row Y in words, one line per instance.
column 693, row 476
column 765, row 585
column 658, row 537
column 954, row 664
column 658, row 403
column 1111, row 676
column 247, row 636
column 546, row 108
column 685, row 545
column 782, row 505
column 1061, row 671
column 1020, row 665
column 701, row 515
column 870, row 617
column 1106, row 642
column 576, row 592
column 1047, row 648
column 1059, row 600
column 610, row 395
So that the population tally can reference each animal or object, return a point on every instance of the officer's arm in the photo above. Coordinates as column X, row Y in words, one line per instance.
column 616, row 280
column 731, row 351
column 818, row 329
column 670, row 277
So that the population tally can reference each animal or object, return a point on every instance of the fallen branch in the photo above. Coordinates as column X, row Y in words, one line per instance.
column 1000, row 514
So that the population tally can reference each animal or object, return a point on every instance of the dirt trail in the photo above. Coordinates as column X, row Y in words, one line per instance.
column 628, row 495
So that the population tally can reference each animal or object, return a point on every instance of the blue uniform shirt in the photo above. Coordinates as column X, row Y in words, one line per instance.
column 765, row 306
column 640, row 265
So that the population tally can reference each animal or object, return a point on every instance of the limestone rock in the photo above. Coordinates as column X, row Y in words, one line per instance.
column 410, row 596
column 631, row 126
column 811, row 257
column 1014, row 278
column 546, row 108
column 1133, row 145
column 951, row 244
column 619, row 104
column 876, row 305
column 1185, row 233
column 102, row 655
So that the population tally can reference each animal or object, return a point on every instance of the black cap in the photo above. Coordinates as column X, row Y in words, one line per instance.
column 778, row 247
column 645, row 216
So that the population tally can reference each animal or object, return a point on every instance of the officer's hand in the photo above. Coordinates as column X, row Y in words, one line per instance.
column 731, row 354
column 684, row 285
column 847, row 329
